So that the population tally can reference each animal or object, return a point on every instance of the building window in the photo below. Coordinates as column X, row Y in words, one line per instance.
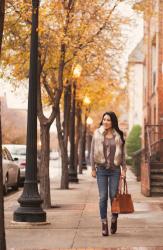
column 154, row 114
column 154, row 65
column 145, row 84
column 154, row 80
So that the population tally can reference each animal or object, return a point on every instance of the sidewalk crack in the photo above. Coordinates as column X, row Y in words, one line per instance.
column 86, row 200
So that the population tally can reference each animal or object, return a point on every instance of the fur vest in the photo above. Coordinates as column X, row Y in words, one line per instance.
column 97, row 149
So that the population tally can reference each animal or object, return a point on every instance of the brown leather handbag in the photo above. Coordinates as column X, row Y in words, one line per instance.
column 122, row 203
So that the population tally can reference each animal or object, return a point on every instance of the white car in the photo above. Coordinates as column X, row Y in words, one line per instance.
column 18, row 152
column 11, row 172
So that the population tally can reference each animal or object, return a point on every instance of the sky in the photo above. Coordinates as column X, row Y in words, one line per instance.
column 18, row 98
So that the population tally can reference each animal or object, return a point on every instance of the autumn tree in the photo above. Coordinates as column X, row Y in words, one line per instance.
column 91, row 45
column 70, row 33
column 144, row 6
column 17, row 44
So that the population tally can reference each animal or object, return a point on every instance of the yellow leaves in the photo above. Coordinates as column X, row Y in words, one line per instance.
column 145, row 6
column 91, row 33
column 102, row 94
column 140, row 6
column 20, row 10
column 16, row 38
column 99, row 93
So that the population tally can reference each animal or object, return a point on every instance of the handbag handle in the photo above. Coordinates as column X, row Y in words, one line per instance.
column 125, row 187
column 122, row 187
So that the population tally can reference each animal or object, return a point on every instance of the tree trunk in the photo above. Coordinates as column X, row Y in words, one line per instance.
column 63, row 136
column 44, row 166
column 45, row 124
column 2, row 17
column 78, row 134
column 81, row 142
column 89, row 140
column 84, row 140
column 67, row 107
column 2, row 226
column 64, row 177
column 64, row 156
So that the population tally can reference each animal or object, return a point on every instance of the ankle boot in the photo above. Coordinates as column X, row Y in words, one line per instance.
column 113, row 228
column 105, row 231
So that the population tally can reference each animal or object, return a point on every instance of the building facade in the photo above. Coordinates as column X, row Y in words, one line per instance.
column 135, row 85
column 153, row 74
column 152, row 163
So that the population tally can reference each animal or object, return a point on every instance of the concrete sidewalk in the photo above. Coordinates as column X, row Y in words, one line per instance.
column 74, row 220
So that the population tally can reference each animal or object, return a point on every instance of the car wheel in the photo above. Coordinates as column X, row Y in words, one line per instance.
column 5, row 187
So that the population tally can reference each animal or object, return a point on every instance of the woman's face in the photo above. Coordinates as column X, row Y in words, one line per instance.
column 107, row 122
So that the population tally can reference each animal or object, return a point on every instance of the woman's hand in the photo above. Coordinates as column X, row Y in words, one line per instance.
column 94, row 173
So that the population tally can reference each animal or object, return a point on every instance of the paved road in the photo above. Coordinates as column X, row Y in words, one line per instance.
column 74, row 220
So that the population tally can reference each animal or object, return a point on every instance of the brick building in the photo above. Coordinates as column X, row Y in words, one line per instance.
column 13, row 123
column 153, row 80
column 152, row 163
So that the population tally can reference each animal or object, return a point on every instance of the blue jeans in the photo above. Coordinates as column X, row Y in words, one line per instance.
column 107, row 179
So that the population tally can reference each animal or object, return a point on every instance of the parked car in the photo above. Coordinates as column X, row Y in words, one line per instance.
column 18, row 153
column 11, row 172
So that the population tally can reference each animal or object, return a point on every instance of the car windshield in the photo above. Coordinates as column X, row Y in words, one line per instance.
column 17, row 149
column 20, row 151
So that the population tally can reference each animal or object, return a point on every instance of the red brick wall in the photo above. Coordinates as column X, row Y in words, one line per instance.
column 145, row 183
column 153, row 99
column 160, row 62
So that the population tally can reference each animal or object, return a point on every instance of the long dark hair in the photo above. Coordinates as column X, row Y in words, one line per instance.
column 114, row 121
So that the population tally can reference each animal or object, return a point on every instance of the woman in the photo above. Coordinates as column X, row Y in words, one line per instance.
column 108, row 165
